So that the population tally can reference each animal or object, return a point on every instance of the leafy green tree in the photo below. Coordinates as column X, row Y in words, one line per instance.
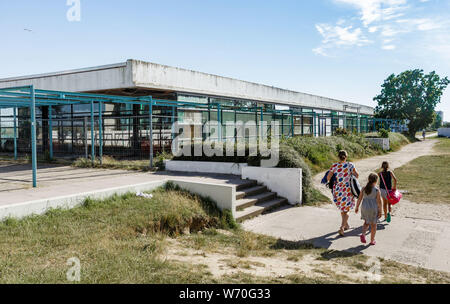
column 437, row 122
column 413, row 96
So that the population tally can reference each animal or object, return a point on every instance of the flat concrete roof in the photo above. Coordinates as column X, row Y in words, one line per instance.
column 147, row 75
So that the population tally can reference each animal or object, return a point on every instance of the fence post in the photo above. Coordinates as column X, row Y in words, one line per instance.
column 92, row 135
column 50, row 131
column 150, row 138
column 33, row 136
column 86, row 153
column 100, row 132
column 15, row 134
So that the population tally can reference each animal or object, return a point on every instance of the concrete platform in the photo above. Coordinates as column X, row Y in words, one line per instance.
column 417, row 242
column 64, row 186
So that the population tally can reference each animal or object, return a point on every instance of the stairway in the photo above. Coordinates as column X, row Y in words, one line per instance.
column 253, row 200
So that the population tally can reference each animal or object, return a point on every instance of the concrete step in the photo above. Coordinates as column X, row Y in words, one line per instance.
column 260, row 208
column 250, row 191
column 246, row 184
column 252, row 200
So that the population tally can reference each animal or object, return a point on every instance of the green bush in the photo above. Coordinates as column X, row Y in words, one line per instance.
column 312, row 154
column 341, row 132
column 397, row 140
column 290, row 158
column 383, row 133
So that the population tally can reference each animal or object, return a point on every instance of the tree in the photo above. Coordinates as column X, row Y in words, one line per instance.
column 411, row 96
column 437, row 122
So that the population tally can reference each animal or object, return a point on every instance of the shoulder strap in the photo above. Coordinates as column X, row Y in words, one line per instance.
column 387, row 191
column 350, row 169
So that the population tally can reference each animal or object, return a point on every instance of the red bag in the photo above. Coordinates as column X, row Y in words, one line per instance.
column 394, row 196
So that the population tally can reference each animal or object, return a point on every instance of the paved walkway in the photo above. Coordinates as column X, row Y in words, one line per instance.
column 56, row 181
column 416, row 237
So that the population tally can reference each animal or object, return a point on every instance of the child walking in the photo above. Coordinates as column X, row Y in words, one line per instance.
column 370, row 209
column 388, row 182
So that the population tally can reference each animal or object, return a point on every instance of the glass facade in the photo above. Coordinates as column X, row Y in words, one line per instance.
column 126, row 127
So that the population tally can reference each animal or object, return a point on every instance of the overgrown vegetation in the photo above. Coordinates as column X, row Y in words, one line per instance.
column 383, row 133
column 312, row 155
column 173, row 237
column 117, row 240
column 109, row 162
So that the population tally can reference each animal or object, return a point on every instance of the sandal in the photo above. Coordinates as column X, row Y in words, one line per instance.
column 347, row 228
column 341, row 232
column 362, row 237
column 373, row 243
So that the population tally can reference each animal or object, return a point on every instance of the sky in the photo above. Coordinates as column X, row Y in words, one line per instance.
column 342, row 49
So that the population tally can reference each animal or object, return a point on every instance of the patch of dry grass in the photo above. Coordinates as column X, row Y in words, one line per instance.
column 129, row 239
column 426, row 178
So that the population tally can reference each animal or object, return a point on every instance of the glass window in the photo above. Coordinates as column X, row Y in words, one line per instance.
column 193, row 99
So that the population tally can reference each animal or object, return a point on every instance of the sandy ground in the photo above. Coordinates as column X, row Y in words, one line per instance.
column 419, row 234
column 277, row 266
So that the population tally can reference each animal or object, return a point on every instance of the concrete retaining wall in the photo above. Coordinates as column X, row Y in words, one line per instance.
column 204, row 167
column 66, row 202
column 223, row 195
column 444, row 132
column 384, row 143
column 285, row 182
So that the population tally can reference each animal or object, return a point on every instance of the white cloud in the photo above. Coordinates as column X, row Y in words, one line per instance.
column 383, row 21
column 422, row 24
column 388, row 47
column 377, row 10
column 338, row 36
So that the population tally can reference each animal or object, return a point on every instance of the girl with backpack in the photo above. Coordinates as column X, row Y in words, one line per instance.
column 388, row 182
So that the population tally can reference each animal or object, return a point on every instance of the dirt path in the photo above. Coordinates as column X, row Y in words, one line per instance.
column 418, row 235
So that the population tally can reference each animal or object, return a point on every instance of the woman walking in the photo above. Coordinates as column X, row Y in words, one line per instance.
column 371, row 208
column 386, row 178
column 342, row 192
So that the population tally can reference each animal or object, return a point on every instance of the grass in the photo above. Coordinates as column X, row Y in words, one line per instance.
column 443, row 146
column 426, row 178
column 109, row 162
column 174, row 237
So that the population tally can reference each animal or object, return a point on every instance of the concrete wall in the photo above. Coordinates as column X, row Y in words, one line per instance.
column 445, row 132
column 141, row 74
column 285, row 182
column 81, row 80
column 223, row 195
column 204, row 167
column 384, row 143
column 66, row 202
